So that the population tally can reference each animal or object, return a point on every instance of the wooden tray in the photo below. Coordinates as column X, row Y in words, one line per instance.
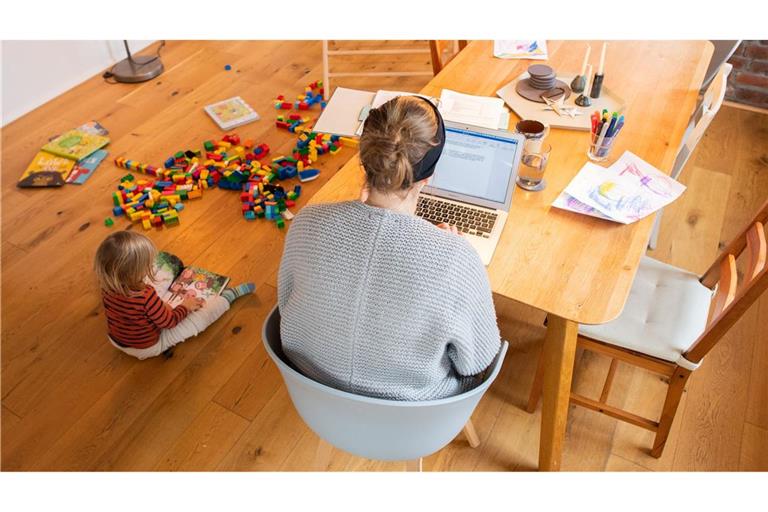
column 527, row 109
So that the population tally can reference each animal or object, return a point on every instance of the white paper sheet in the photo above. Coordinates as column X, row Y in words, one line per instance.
column 625, row 192
column 483, row 111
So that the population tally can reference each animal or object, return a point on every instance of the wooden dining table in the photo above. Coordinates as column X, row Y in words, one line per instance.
column 578, row 269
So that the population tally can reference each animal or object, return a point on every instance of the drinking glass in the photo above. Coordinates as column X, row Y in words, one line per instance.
column 532, row 165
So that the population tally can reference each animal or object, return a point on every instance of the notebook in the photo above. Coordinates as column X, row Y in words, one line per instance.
column 347, row 110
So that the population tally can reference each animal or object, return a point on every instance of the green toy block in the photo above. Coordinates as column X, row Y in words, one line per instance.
column 209, row 146
column 127, row 177
column 109, row 222
column 280, row 223
column 179, row 154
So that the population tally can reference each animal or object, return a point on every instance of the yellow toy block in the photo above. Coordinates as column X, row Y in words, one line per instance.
column 223, row 144
column 146, row 224
column 349, row 142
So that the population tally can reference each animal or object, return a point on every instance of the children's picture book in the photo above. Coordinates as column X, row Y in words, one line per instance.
column 85, row 168
column 75, row 144
column 231, row 113
column 185, row 282
column 625, row 192
column 508, row 49
column 46, row 170
column 94, row 128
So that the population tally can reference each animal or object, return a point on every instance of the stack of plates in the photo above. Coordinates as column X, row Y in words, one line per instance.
column 542, row 82
column 542, row 77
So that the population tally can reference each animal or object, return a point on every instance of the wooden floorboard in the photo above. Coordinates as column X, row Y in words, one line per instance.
column 70, row 401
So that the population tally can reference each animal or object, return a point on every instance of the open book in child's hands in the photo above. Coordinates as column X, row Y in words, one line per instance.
column 186, row 282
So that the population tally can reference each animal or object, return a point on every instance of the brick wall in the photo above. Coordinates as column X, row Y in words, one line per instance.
column 748, row 82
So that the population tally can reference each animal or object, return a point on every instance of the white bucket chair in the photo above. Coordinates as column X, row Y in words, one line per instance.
column 713, row 100
column 371, row 427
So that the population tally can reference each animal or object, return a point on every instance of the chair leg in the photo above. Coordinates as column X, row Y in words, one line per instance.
column 654, row 240
column 537, row 386
column 471, row 434
column 414, row 465
column 326, row 72
column 609, row 380
column 674, row 394
column 323, row 455
column 437, row 65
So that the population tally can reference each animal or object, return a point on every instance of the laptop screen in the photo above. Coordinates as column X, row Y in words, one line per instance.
column 475, row 164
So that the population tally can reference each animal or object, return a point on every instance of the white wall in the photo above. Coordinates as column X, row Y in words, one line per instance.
column 34, row 72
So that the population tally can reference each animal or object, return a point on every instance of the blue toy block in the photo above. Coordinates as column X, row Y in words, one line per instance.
column 308, row 175
column 227, row 67
column 249, row 215
column 179, row 207
column 117, row 211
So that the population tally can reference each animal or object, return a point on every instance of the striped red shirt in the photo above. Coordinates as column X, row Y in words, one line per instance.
column 136, row 321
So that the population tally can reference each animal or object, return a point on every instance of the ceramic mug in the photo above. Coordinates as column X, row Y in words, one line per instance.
column 534, row 133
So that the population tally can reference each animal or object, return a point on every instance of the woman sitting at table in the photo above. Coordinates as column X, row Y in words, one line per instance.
column 375, row 300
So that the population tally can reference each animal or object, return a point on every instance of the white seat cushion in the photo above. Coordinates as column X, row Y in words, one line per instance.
column 665, row 312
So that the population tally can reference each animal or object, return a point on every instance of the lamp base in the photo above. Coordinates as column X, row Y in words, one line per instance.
column 138, row 69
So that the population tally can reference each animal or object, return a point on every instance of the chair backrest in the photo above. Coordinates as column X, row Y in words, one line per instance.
column 713, row 100
column 732, row 300
column 371, row 427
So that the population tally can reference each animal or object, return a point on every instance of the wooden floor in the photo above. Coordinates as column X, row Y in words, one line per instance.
column 70, row 401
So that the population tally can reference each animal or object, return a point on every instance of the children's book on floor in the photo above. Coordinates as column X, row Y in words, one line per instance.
column 186, row 282
column 76, row 144
column 46, row 170
column 231, row 113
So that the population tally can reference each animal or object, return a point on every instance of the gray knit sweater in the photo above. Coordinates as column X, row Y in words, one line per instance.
column 384, row 304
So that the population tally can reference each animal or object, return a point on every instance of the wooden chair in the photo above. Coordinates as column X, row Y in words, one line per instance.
column 436, row 50
column 672, row 319
column 710, row 106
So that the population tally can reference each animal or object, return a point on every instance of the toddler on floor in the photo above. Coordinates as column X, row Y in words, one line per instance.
column 139, row 322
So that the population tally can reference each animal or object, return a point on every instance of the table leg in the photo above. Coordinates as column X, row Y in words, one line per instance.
column 558, row 355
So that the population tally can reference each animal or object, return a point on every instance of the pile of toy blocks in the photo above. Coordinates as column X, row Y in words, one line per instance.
column 227, row 163
column 265, row 200
column 313, row 95
column 152, row 203
column 291, row 123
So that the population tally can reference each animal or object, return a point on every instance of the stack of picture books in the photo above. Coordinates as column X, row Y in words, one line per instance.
column 72, row 157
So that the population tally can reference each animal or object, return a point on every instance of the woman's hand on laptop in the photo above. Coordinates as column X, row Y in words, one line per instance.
column 450, row 229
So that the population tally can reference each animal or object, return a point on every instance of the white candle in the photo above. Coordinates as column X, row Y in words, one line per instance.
column 588, row 83
column 586, row 59
column 602, row 60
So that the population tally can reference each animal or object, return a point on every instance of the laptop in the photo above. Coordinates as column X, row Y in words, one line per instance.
column 473, row 183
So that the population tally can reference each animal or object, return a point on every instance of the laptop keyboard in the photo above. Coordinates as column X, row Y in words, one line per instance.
column 473, row 221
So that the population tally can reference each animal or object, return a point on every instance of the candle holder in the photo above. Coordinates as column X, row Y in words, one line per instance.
column 583, row 100
column 597, row 86
column 578, row 83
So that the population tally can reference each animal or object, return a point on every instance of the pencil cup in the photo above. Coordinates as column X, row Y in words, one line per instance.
column 600, row 149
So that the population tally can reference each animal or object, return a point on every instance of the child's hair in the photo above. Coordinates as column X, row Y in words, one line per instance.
column 122, row 262
column 396, row 136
